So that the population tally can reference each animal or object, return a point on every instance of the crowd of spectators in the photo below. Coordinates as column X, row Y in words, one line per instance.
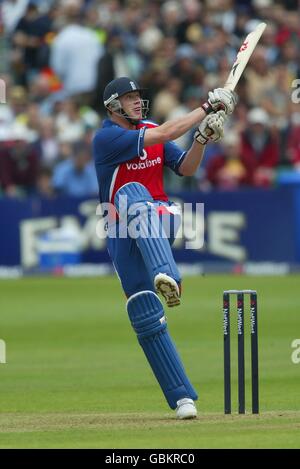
column 57, row 57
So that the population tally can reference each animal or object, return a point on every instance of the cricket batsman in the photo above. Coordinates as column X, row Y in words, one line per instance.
column 130, row 153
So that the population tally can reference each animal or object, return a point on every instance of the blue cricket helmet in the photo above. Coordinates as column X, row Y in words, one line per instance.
column 119, row 87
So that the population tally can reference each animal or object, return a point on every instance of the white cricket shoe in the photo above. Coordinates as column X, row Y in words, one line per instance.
column 168, row 288
column 186, row 409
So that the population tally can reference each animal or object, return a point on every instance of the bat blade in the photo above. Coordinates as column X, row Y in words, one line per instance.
column 243, row 56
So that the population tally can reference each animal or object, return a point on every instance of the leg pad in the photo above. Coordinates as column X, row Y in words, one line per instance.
column 147, row 318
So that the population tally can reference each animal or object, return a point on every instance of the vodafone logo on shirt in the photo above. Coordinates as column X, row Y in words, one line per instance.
column 144, row 163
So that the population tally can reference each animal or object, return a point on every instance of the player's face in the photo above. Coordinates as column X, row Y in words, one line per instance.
column 132, row 104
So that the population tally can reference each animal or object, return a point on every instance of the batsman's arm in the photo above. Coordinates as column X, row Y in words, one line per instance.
column 210, row 129
column 173, row 129
column 192, row 159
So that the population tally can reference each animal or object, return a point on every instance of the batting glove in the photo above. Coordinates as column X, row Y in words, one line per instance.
column 221, row 99
column 211, row 128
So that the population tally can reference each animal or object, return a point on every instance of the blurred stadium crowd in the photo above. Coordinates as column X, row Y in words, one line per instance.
column 57, row 57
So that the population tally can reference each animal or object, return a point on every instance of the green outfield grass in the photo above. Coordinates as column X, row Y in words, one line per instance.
column 76, row 378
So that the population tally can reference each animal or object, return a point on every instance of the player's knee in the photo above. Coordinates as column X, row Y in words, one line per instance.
column 135, row 207
column 130, row 194
column 146, row 314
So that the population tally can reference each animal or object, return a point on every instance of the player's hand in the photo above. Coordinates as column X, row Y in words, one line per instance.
column 221, row 99
column 211, row 128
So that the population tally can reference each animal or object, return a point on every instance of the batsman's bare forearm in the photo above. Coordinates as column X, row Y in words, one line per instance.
column 173, row 129
column 192, row 159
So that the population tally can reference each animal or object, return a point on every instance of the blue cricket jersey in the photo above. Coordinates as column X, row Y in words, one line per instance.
column 120, row 157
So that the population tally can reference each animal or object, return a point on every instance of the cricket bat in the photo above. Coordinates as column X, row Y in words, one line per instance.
column 243, row 56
